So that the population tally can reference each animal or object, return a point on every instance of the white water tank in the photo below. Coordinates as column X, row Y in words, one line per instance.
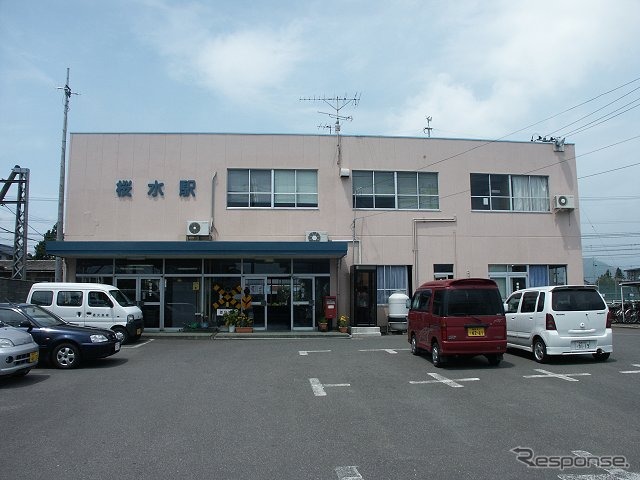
column 398, row 306
column 398, row 312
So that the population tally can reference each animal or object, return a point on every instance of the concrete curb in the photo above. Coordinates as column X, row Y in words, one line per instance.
column 242, row 336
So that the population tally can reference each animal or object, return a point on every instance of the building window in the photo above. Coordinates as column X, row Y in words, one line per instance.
column 557, row 274
column 257, row 188
column 395, row 190
column 519, row 193
column 442, row 271
column 391, row 279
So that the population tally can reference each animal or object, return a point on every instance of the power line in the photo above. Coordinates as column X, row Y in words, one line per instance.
column 488, row 142
column 611, row 170
column 589, row 114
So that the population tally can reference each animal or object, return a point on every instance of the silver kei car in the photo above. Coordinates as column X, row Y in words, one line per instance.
column 18, row 352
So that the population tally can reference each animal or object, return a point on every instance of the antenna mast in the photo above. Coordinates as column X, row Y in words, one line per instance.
column 337, row 103
column 428, row 128
column 59, row 232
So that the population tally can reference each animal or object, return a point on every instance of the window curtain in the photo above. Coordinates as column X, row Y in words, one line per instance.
column 520, row 190
column 391, row 278
column 539, row 194
column 538, row 275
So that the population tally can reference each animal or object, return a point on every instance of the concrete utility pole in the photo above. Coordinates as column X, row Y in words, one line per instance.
column 59, row 225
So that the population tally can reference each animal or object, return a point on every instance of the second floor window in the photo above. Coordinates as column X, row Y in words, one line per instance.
column 520, row 193
column 272, row 188
column 395, row 190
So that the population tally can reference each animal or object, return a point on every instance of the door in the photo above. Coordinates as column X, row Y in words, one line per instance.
column 511, row 314
column 303, row 302
column 525, row 321
column 146, row 292
column 257, row 290
column 518, row 283
column 278, row 309
column 364, row 295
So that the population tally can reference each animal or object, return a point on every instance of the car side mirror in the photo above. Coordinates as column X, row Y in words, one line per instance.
column 26, row 324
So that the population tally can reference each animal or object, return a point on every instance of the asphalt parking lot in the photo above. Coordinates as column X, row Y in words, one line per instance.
column 331, row 408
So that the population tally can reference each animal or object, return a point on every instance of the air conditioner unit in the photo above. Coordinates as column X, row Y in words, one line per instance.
column 564, row 202
column 198, row 228
column 315, row 236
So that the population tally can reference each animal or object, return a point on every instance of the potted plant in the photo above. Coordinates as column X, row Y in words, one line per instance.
column 343, row 323
column 244, row 324
column 231, row 319
column 322, row 324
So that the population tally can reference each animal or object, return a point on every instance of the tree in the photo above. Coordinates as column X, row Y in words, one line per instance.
column 40, row 250
column 619, row 274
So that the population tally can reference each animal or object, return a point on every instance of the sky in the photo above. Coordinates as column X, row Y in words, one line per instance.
column 485, row 69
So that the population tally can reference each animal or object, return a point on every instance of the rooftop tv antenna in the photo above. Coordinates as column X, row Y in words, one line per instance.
column 59, row 232
column 337, row 103
column 428, row 128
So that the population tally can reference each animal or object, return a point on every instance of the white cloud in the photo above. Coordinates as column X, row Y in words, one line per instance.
column 506, row 57
column 246, row 63
column 206, row 48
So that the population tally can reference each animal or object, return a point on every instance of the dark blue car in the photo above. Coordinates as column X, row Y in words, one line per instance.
column 63, row 344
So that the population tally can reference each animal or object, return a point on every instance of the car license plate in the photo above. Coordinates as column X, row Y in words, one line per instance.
column 582, row 345
column 139, row 331
column 117, row 346
column 475, row 332
column 33, row 357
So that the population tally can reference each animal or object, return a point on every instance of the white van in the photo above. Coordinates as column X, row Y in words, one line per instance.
column 559, row 320
column 90, row 305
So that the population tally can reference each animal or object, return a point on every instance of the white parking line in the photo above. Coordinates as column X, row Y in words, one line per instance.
column 392, row 351
column 319, row 388
column 561, row 376
column 440, row 379
column 138, row 345
column 631, row 371
column 307, row 352
column 348, row 473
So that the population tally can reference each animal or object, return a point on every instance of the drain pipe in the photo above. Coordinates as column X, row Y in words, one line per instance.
column 416, row 255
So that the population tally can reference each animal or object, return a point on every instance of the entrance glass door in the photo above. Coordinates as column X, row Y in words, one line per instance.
column 518, row 283
column 303, row 295
column 146, row 292
column 278, row 303
column 257, row 290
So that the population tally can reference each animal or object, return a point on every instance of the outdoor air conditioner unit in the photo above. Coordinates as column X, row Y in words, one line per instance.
column 315, row 236
column 564, row 202
column 198, row 228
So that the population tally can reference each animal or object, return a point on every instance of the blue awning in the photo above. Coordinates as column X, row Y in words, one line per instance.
column 212, row 249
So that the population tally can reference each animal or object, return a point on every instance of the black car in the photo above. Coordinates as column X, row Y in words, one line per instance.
column 62, row 343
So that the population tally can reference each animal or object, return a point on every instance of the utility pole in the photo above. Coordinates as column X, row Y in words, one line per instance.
column 59, row 225
column 19, row 176
column 337, row 103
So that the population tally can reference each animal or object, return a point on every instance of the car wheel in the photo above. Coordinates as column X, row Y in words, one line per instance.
column 125, row 335
column 602, row 356
column 539, row 351
column 436, row 357
column 65, row 355
column 494, row 360
column 414, row 345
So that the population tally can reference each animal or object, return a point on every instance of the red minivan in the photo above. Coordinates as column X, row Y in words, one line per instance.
column 458, row 317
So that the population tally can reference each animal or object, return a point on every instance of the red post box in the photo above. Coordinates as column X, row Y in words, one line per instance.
column 330, row 306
